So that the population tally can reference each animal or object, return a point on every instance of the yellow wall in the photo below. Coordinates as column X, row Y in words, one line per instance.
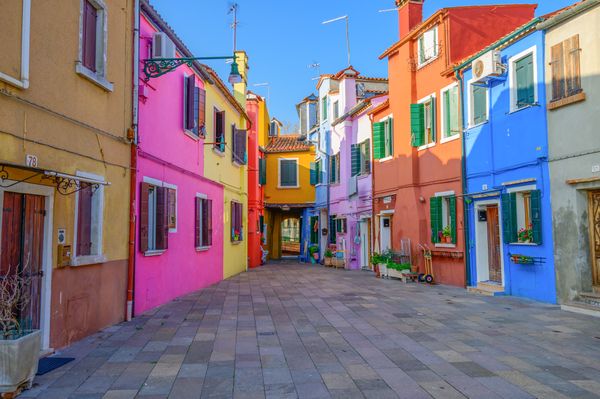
column 263, row 121
column 220, row 168
column 305, row 193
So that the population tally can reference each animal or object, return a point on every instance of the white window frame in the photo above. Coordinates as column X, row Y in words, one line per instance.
column 471, row 104
column 512, row 77
column 391, row 156
column 98, row 77
column 363, row 171
column 445, row 195
column 436, row 44
column 430, row 98
column 324, row 109
column 443, row 111
column 23, row 80
column 97, row 225
column 279, row 173
column 520, row 209
column 320, row 161
column 187, row 131
column 202, row 247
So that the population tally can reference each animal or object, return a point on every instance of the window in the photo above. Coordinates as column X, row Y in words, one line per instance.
column 238, row 153
column 334, row 168
column 429, row 121
column 341, row 226
column 194, row 102
column 522, row 77
column 566, row 73
column 428, row 46
column 332, row 228
column 360, row 158
column 450, row 112
column 442, row 210
column 423, row 122
column 237, row 227
column 154, row 224
column 478, row 108
column 288, row 172
column 383, row 138
column 273, row 129
column 203, row 225
column 521, row 217
column 88, row 222
column 324, row 108
column 314, row 230
column 92, row 46
column 336, row 109
column 172, row 208
column 219, row 127
column 262, row 171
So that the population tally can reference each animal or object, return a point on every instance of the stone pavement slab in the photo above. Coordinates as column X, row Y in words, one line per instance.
column 288, row 330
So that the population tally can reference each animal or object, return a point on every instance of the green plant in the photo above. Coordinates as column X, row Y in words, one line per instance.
column 446, row 232
column 377, row 258
column 328, row 254
column 398, row 266
column 313, row 249
column 525, row 234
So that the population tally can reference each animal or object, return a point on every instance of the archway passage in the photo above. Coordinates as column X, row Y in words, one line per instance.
column 290, row 237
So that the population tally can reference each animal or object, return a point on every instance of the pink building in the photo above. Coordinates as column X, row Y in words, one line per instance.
column 179, row 247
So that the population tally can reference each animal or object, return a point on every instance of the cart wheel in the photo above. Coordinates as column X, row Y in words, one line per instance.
column 429, row 279
column 421, row 277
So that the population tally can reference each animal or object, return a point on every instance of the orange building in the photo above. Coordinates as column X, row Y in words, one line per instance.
column 417, row 179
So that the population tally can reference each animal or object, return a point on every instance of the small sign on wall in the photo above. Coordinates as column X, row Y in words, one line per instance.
column 31, row 161
column 61, row 236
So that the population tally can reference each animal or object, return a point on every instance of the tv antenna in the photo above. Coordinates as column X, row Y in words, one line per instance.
column 317, row 66
column 233, row 9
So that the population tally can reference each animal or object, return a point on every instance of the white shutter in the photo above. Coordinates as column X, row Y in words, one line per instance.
column 162, row 46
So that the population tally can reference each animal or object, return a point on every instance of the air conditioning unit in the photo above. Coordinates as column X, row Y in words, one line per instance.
column 488, row 65
column 162, row 46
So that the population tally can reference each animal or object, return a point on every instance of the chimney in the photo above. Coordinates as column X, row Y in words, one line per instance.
column 240, row 89
column 410, row 14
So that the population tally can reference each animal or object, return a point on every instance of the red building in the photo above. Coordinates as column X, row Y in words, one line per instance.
column 417, row 146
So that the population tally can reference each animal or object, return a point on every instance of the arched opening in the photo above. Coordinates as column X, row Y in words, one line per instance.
column 290, row 237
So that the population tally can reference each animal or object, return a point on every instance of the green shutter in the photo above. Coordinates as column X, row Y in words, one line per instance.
column 435, row 213
column 332, row 229
column 262, row 171
column 509, row 218
column 536, row 215
column 452, row 211
column 447, row 116
column 355, row 159
column 433, row 120
column 525, row 89
column 389, row 137
column 453, row 111
column 367, row 158
column 332, row 169
column 378, row 140
column 417, row 124
column 313, row 173
column 479, row 104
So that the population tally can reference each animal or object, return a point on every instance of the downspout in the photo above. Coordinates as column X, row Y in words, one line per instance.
column 133, row 169
column 463, row 164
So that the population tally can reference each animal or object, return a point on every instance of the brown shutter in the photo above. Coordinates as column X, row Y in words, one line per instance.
column 208, row 237
column 573, row 65
column 558, row 80
column 172, row 208
column 201, row 111
column 84, row 221
column 197, row 242
column 90, row 15
column 233, row 218
column 144, row 194
column 189, row 98
column 162, row 224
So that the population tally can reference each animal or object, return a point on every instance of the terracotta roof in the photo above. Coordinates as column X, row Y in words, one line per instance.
column 360, row 106
column 287, row 143
column 380, row 107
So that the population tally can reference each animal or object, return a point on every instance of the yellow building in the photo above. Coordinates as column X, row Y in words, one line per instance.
column 288, row 193
column 225, row 162
column 65, row 113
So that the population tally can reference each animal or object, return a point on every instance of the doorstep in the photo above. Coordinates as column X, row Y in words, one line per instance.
column 487, row 288
column 586, row 303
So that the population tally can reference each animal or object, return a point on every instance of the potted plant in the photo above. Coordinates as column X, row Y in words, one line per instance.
column 328, row 257
column 19, row 345
column 447, row 235
column 314, row 253
column 525, row 235
column 380, row 261
column 395, row 269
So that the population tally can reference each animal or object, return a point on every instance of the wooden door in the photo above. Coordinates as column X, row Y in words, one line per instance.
column 594, row 215
column 493, row 239
column 22, row 247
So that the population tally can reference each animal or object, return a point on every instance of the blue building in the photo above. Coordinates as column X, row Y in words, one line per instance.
column 506, row 174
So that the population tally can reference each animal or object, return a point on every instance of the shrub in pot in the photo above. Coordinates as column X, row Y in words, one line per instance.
column 19, row 345
column 328, row 257
column 313, row 250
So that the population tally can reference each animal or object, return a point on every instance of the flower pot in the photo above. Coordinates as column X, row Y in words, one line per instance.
column 383, row 270
column 448, row 240
column 316, row 256
column 19, row 361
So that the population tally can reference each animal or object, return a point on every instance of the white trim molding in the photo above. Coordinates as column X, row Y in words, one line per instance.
column 452, row 137
column 23, row 80
column 470, row 104
column 297, row 173
column 431, row 97
column 512, row 77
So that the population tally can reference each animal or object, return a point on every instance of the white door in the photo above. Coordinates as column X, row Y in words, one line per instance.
column 385, row 239
column 364, row 243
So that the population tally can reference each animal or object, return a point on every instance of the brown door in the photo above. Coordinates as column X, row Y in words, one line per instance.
column 21, row 247
column 493, row 239
column 594, row 215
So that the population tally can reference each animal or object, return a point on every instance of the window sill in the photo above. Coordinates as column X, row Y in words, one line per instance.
column 386, row 159
column 450, row 138
column 93, row 77
column 445, row 245
column 202, row 249
column 527, row 244
column 575, row 98
column 528, row 106
column 172, row 229
column 288, row 187
column 426, row 146
column 429, row 61
column 191, row 135
column 363, row 176
column 88, row 260
column 236, row 242
column 218, row 152
column 477, row 125
column 155, row 252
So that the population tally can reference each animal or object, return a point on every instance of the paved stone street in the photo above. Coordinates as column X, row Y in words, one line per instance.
column 288, row 330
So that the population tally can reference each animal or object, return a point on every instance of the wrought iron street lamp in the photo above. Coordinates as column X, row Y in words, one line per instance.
column 155, row 67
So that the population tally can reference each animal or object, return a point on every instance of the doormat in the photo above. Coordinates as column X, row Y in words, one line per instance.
column 47, row 364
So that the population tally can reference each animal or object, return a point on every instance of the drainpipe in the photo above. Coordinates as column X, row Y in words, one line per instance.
column 463, row 164
column 133, row 169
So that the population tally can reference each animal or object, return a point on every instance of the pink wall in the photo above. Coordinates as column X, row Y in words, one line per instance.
column 166, row 153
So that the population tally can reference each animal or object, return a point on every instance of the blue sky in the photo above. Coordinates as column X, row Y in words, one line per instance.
column 283, row 37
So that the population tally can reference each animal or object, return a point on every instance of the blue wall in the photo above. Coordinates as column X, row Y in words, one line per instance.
column 512, row 146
